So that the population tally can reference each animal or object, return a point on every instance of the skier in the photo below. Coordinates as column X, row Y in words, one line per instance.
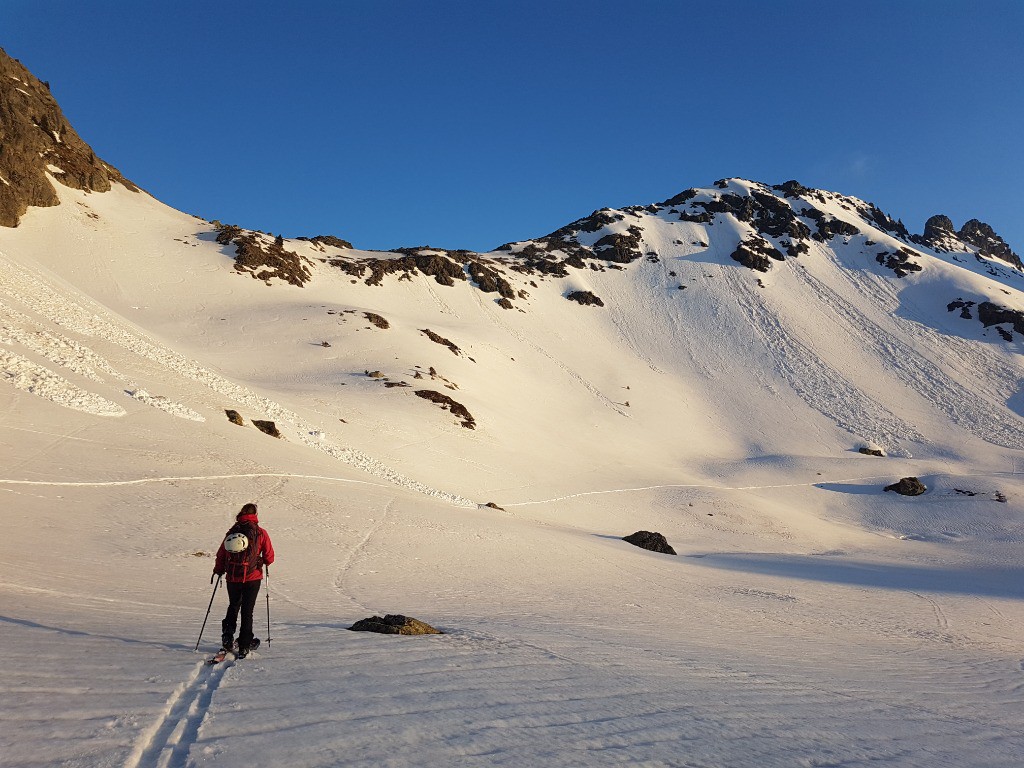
column 240, row 558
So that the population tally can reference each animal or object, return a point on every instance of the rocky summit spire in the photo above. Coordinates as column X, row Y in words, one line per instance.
column 36, row 140
column 988, row 243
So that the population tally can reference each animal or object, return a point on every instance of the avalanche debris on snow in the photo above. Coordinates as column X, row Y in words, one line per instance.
column 42, row 382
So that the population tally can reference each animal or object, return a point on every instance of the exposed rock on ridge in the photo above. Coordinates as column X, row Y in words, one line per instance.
column 264, row 260
column 36, row 140
column 940, row 236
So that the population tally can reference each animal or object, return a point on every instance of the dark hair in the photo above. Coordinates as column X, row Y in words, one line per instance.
column 248, row 509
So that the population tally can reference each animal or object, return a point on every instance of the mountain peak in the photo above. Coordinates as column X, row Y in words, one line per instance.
column 38, row 144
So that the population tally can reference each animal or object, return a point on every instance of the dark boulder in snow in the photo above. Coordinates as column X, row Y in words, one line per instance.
column 650, row 540
column 394, row 624
column 267, row 427
column 235, row 417
column 908, row 486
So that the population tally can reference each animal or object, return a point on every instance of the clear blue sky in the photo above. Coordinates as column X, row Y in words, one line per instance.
column 469, row 124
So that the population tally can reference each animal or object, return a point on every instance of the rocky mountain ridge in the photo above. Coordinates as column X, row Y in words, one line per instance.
column 39, row 144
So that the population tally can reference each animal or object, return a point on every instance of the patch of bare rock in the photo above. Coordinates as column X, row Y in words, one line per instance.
column 457, row 409
column 264, row 261
column 438, row 339
column 586, row 298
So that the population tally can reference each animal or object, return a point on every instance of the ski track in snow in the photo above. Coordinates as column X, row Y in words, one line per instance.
column 822, row 387
column 963, row 407
column 166, row 743
column 49, row 301
column 145, row 480
column 344, row 568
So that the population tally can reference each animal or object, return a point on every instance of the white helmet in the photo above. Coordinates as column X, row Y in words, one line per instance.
column 236, row 542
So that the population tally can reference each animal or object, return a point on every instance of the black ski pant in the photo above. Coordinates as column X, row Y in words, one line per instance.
column 241, row 597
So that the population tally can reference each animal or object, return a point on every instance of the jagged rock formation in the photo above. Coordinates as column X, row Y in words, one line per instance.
column 37, row 143
column 940, row 234
column 262, row 259
column 973, row 237
column 988, row 243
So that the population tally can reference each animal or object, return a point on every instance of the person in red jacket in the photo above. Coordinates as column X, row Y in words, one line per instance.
column 243, row 571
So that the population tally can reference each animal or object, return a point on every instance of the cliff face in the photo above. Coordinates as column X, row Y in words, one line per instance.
column 35, row 140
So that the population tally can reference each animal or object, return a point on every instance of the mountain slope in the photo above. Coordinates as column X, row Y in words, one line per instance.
column 706, row 367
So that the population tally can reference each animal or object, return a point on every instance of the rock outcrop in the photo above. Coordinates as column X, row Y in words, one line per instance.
column 38, row 144
column 939, row 233
column 262, row 259
column 457, row 409
column 983, row 237
column 586, row 298
column 993, row 314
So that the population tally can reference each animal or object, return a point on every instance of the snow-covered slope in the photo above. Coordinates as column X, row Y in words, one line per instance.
column 706, row 367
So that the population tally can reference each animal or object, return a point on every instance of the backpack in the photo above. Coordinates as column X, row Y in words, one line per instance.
column 238, row 565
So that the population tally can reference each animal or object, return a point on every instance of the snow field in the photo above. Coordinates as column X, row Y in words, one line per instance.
column 809, row 619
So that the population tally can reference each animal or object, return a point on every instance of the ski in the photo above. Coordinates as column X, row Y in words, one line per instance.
column 218, row 657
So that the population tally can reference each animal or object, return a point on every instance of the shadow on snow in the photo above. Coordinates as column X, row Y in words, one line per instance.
column 984, row 581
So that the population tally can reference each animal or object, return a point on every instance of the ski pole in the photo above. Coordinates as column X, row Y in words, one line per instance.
column 208, row 610
column 268, row 606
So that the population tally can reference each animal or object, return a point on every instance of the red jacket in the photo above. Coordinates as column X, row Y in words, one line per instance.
column 266, row 549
